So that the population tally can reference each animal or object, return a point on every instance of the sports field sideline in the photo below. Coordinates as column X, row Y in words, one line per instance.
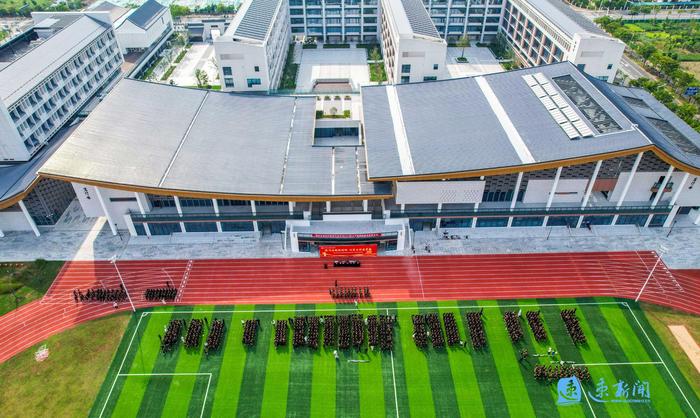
column 263, row 381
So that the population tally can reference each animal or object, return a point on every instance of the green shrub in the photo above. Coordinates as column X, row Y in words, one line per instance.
column 168, row 73
column 336, row 46
column 309, row 46
column 462, row 59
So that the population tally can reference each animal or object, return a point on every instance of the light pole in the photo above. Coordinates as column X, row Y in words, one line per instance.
column 113, row 260
column 662, row 251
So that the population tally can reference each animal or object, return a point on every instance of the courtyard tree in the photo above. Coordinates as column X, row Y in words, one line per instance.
column 463, row 43
column 202, row 78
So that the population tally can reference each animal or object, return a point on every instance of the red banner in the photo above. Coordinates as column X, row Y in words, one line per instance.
column 348, row 236
column 348, row 250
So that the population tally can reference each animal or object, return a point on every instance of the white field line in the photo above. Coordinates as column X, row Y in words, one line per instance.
column 624, row 363
column 586, row 397
column 420, row 277
column 206, row 393
column 662, row 360
column 393, row 377
column 398, row 308
column 109, row 395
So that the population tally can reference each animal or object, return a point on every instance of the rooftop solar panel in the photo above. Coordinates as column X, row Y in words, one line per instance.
column 549, row 88
column 540, row 78
column 558, row 116
column 419, row 19
column 569, row 113
column 530, row 80
column 539, row 92
column 583, row 129
column 256, row 22
column 559, row 100
column 570, row 130
column 548, row 103
column 599, row 118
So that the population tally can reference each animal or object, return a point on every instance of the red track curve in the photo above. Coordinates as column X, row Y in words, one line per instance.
column 304, row 280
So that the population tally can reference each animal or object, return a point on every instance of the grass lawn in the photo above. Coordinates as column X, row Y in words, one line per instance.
column 29, row 281
column 66, row 383
column 276, row 382
column 660, row 318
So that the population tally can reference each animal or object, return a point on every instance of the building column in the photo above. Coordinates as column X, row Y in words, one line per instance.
column 552, row 192
column 589, row 190
column 112, row 226
column 660, row 192
column 2, row 234
column 403, row 207
column 215, row 204
column 365, row 205
column 514, row 200
column 32, row 224
column 291, row 208
column 252, row 208
column 142, row 209
column 674, row 210
column 621, row 200
column 476, row 208
column 179, row 212
column 328, row 206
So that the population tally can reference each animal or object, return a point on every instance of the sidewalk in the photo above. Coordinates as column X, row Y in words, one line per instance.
column 98, row 243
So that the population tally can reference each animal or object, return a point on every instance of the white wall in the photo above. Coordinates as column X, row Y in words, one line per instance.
column 11, row 145
column 422, row 55
column 432, row 192
column 87, row 196
column 597, row 52
column 690, row 196
column 132, row 36
column 640, row 188
column 568, row 191
column 242, row 58
column 13, row 221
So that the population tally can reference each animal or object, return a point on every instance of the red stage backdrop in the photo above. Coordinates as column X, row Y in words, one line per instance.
column 348, row 250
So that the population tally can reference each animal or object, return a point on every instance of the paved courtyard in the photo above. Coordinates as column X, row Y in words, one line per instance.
column 199, row 56
column 480, row 61
column 92, row 240
column 332, row 64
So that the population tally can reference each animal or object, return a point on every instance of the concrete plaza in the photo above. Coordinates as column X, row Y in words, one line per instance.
column 332, row 64
column 480, row 61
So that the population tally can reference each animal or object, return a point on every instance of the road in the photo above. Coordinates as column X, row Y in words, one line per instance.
column 632, row 69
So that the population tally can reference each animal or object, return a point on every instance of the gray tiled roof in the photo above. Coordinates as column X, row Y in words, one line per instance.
column 23, row 74
column 160, row 136
column 658, row 111
column 418, row 18
column 146, row 14
column 257, row 19
column 565, row 18
column 451, row 127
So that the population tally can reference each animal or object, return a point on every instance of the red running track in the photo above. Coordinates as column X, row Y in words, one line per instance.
column 304, row 280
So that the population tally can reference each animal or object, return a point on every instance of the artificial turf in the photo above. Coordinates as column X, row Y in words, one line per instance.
column 274, row 382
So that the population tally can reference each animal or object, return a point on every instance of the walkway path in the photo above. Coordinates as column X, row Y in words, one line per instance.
column 304, row 280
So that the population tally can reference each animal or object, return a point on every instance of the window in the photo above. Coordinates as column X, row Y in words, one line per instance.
column 581, row 67
column 405, row 79
column 406, row 68
column 430, row 78
column 227, row 71
column 257, row 69
column 122, row 199
column 435, row 66
column 610, row 66
column 602, row 77
column 591, row 110
column 253, row 82
column 228, row 82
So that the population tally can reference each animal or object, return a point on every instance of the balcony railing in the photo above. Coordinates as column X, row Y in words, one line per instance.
column 553, row 211
column 212, row 217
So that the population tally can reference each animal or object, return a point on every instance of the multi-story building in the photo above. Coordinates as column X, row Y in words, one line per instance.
column 252, row 51
column 546, row 31
column 412, row 48
column 537, row 147
column 477, row 19
column 48, row 75
column 335, row 21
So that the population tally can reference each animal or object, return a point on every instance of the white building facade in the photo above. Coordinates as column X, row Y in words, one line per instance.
column 144, row 26
column 71, row 58
column 412, row 48
column 543, row 32
column 252, row 52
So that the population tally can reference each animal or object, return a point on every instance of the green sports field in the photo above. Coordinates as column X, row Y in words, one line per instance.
column 264, row 381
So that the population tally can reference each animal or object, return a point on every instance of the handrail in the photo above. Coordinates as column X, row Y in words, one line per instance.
column 552, row 211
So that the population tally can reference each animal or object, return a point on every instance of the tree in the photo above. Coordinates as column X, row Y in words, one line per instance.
column 463, row 42
column 687, row 111
column 646, row 50
column 376, row 59
column 202, row 78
